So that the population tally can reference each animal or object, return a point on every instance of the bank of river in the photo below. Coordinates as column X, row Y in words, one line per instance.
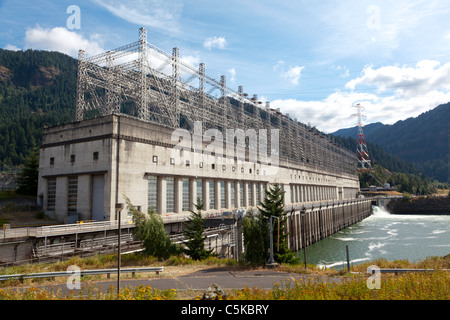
column 384, row 235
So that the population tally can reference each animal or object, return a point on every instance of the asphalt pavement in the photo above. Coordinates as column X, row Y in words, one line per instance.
column 202, row 279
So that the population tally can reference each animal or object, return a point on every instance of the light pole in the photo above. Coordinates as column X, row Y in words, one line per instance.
column 119, row 207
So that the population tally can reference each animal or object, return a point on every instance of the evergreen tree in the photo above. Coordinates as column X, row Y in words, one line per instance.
column 256, row 241
column 28, row 179
column 193, row 232
column 273, row 205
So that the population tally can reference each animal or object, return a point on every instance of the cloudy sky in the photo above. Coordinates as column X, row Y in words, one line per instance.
column 313, row 60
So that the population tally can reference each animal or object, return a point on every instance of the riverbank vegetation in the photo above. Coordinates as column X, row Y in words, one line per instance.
column 315, row 283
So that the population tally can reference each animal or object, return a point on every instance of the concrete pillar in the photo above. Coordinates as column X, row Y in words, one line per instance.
column 245, row 204
column 162, row 191
column 237, row 203
column 178, row 195
column 217, row 195
column 228, row 203
column 192, row 194
column 206, row 195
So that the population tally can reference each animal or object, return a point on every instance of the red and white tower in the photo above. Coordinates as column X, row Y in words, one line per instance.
column 361, row 149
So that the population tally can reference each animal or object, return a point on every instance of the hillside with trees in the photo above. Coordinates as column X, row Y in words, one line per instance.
column 37, row 89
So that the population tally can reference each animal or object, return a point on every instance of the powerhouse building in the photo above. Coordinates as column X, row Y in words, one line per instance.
column 161, row 133
column 87, row 167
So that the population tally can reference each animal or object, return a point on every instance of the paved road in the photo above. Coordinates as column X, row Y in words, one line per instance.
column 200, row 280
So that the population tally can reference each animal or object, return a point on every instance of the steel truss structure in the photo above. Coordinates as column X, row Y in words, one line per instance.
column 364, row 162
column 143, row 81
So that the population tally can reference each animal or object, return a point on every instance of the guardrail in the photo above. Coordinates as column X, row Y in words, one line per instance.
column 81, row 273
column 397, row 271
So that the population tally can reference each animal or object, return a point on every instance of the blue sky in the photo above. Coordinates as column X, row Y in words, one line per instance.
column 313, row 60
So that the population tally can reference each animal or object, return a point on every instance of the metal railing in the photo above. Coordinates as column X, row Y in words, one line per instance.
column 108, row 272
column 81, row 227
column 60, row 229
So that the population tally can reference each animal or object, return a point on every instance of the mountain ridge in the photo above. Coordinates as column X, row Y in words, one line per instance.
column 421, row 140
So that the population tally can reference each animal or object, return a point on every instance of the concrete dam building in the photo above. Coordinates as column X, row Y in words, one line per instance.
column 88, row 166
column 146, row 131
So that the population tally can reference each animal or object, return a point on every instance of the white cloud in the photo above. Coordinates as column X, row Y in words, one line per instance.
column 292, row 74
column 215, row 42
column 402, row 92
column 12, row 47
column 232, row 73
column 425, row 76
column 62, row 40
column 163, row 15
column 190, row 60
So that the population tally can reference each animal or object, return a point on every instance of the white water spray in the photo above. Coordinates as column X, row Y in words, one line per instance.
column 380, row 212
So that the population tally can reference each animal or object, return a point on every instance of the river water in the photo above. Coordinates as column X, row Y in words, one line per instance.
column 383, row 235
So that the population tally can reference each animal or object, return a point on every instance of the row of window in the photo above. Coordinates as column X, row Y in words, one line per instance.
column 72, row 194
column 95, row 156
column 170, row 193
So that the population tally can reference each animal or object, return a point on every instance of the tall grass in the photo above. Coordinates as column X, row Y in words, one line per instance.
column 412, row 286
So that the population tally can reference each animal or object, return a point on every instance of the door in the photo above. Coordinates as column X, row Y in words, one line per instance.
column 98, row 194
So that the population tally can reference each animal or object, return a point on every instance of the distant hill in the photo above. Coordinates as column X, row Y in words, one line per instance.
column 353, row 132
column 423, row 140
column 37, row 89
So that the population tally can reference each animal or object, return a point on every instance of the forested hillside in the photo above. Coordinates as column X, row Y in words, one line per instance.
column 37, row 89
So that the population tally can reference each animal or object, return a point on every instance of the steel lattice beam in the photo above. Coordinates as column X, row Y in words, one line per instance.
column 144, row 81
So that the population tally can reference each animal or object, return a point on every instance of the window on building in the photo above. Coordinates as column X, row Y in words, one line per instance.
column 223, row 200
column 52, row 161
column 72, row 194
column 72, row 159
column 51, row 194
column 185, row 204
column 232, row 194
column 258, row 193
column 249, row 193
column 211, row 195
column 153, row 193
column 241, row 194
column 170, row 195
column 95, row 156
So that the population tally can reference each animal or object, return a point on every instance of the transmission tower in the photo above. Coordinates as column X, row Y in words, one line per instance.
column 361, row 149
